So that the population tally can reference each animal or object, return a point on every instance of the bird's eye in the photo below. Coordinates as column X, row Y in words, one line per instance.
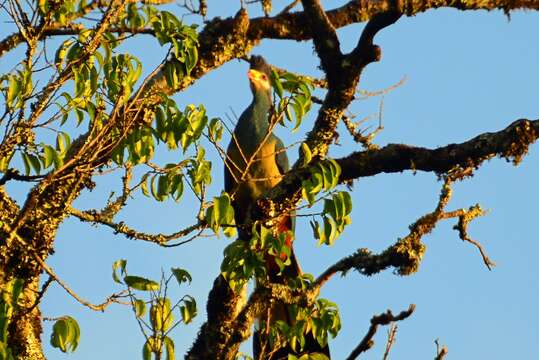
column 264, row 77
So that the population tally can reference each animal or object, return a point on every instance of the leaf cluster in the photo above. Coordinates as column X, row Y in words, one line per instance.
column 335, row 216
column 298, row 102
column 220, row 215
column 320, row 319
column 158, row 308
column 324, row 176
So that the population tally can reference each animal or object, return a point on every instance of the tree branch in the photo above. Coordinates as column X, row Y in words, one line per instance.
column 13, row 174
column 366, row 52
column 510, row 143
column 391, row 336
column 294, row 26
column 441, row 351
column 121, row 228
column 325, row 38
column 465, row 216
column 383, row 319
column 406, row 254
column 99, row 307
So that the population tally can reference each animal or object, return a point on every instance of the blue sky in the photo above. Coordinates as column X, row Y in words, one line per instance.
column 467, row 73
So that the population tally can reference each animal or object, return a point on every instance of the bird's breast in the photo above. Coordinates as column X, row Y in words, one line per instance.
column 255, row 171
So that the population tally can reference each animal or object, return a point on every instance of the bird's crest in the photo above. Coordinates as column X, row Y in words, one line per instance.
column 259, row 63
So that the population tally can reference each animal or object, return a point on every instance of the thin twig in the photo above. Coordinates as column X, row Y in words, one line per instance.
column 441, row 351
column 289, row 7
column 391, row 336
column 100, row 307
column 44, row 288
column 161, row 239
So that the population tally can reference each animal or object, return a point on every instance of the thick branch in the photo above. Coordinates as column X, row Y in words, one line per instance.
column 365, row 51
column 510, row 143
column 295, row 26
column 325, row 38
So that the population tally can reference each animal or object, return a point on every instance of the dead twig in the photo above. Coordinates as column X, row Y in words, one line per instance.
column 391, row 336
column 383, row 319
column 441, row 351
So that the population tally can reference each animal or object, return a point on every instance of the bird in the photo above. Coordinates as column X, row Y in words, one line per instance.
column 256, row 161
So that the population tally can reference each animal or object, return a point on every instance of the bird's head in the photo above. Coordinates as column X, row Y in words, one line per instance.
column 259, row 75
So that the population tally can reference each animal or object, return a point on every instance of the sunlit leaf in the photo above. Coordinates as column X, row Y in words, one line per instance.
column 181, row 275
column 140, row 283
column 65, row 334
column 118, row 264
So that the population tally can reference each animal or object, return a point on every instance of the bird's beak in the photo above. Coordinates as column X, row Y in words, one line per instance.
column 254, row 75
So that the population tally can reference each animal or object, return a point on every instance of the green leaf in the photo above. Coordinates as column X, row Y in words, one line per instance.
column 335, row 172
column 176, row 187
column 215, row 129
column 140, row 307
column 154, row 187
column 62, row 142
column 162, row 188
column 169, row 346
column 220, row 213
column 307, row 154
column 299, row 113
column 223, row 204
column 161, row 317
column 15, row 287
column 13, row 90
column 65, row 334
column 168, row 316
column 192, row 59
column 188, row 310
column 4, row 162
column 276, row 83
column 160, row 122
column 73, row 52
column 181, row 275
column 140, row 283
column 118, row 264
column 5, row 352
column 330, row 230
column 156, row 317
column 34, row 161
column 147, row 351
column 317, row 233
column 144, row 184
column 94, row 77
column 317, row 356
column 26, row 162
column 48, row 156
column 288, row 112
